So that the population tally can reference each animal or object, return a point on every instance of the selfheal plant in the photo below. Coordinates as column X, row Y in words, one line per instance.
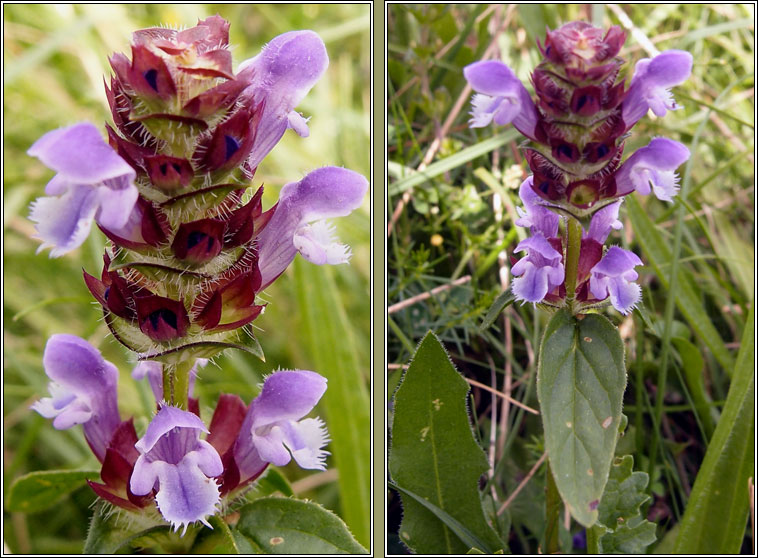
column 576, row 129
column 190, row 250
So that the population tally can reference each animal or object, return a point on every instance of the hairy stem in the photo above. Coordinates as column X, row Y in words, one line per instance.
column 176, row 383
column 573, row 245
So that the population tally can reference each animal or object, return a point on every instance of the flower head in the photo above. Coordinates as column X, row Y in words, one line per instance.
column 179, row 466
column 93, row 184
column 83, row 390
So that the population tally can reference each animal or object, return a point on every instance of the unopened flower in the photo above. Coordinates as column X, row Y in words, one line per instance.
column 83, row 390
column 180, row 466
column 93, row 184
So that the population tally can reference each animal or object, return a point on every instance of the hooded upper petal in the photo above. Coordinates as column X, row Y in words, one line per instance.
column 502, row 97
column 83, row 390
column 614, row 276
column 603, row 221
column 651, row 83
column 93, row 183
column 653, row 165
column 322, row 194
column 283, row 73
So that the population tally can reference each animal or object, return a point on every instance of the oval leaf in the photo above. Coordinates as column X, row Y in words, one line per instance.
column 289, row 526
column 42, row 489
column 580, row 386
column 435, row 457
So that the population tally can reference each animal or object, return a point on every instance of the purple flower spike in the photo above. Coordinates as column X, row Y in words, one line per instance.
column 603, row 221
column 93, row 183
column 282, row 74
column 653, row 165
column 83, row 390
column 324, row 193
column 272, row 431
column 502, row 97
column 174, row 461
column 614, row 276
column 651, row 83
column 539, row 272
column 537, row 217
column 154, row 372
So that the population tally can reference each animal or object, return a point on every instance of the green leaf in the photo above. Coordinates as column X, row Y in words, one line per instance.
column 434, row 456
column 692, row 366
column 629, row 538
column 716, row 514
column 42, row 489
column 218, row 540
column 273, row 481
column 332, row 350
column 624, row 493
column 688, row 301
column 288, row 526
column 580, row 386
column 503, row 301
column 110, row 532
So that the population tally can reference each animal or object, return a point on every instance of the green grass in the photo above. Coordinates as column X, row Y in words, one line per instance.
column 55, row 59
column 699, row 252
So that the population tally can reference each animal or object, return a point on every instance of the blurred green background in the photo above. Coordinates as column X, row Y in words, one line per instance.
column 454, row 222
column 55, row 58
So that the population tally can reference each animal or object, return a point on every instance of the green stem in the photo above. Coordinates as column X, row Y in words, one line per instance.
column 176, row 383
column 552, row 513
column 592, row 540
column 573, row 245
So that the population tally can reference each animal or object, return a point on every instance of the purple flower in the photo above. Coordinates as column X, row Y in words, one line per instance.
column 273, row 431
column 651, row 83
column 614, row 276
column 282, row 74
column 603, row 221
column 83, row 390
column 93, row 183
column 324, row 193
column 501, row 97
column 154, row 372
column 536, row 216
column 653, row 165
column 175, row 462
column 539, row 272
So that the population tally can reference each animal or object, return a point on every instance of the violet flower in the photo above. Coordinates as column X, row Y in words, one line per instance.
column 282, row 74
column 83, row 390
column 536, row 216
column 651, row 83
column 93, row 183
column 274, row 430
column 653, row 165
column 175, row 462
column 501, row 97
column 614, row 276
column 603, row 221
column 324, row 193
column 539, row 272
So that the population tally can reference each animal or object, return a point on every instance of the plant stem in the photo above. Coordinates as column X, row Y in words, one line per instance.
column 573, row 245
column 552, row 513
column 592, row 540
column 176, row 383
